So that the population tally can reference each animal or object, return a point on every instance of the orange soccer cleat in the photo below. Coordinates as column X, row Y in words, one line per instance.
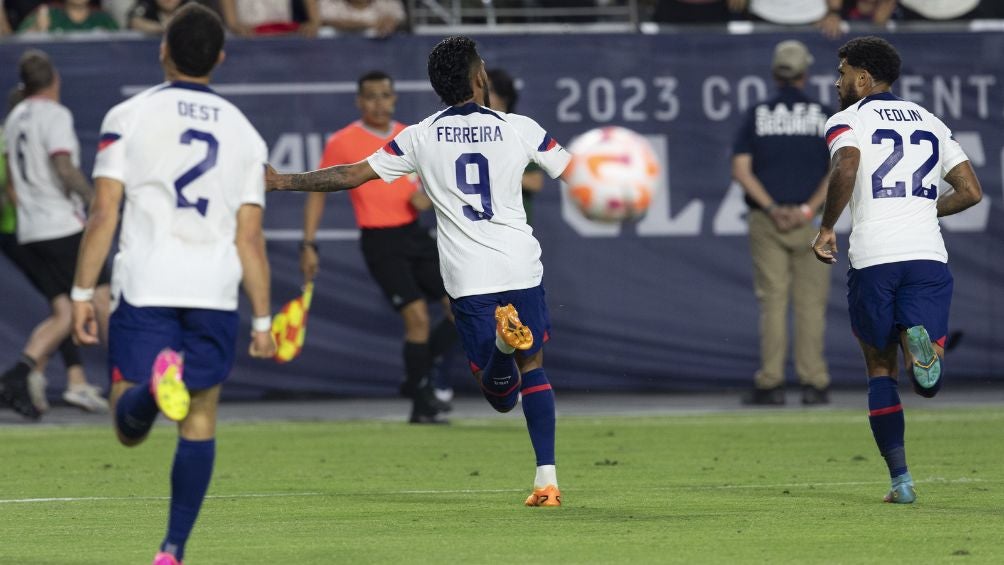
column 510, row 329
column 547, row 496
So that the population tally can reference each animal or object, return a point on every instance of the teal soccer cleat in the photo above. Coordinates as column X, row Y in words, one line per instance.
column 926, row 363
column 902, row 491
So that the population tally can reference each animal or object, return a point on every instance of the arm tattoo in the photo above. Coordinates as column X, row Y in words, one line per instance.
column 331, row 179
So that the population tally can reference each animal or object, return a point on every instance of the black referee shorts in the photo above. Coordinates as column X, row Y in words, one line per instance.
column 50, row 264
column 404, row 261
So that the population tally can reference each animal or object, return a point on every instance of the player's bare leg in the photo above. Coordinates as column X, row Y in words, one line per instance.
column 885, row 414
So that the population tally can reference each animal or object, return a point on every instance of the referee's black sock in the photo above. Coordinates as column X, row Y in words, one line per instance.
column 417, row 362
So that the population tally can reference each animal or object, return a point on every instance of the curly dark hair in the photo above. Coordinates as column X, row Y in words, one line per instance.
column 873, row 54
column 504, row 87
column 450, row 65
column 194, row 39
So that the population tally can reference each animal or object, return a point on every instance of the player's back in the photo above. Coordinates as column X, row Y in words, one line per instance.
column 905, row 152
column 471, row 161
column 37, row 129
column 188, row 159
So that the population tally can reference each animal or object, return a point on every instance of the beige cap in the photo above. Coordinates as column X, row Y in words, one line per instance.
column 791, row 59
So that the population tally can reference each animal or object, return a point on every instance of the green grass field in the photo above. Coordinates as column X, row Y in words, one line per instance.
column 745, row 487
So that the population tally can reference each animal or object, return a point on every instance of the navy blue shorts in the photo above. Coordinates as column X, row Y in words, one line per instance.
column 886, row 299
column 206, row 338
column 475, row 319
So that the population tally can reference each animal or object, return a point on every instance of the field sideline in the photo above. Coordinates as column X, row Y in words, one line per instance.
column 731, row 486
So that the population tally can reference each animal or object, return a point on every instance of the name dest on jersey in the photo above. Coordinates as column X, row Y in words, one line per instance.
column 893, row 115
column 199, row 112
column 468, row 134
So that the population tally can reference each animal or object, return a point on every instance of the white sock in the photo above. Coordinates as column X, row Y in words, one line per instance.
column 546, row 475
column 503, row 346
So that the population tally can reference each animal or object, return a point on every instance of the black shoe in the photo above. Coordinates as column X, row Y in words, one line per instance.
column 14, row 393
column 812, row 396
column 765, row 397
column 418, row 416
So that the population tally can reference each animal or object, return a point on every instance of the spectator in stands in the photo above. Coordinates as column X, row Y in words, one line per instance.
column 941, row 9
column 269, row 17
column 17, row 10
column 151, row 16
column 878, row 12
column 73, row 15
column 691, row 11
column 380, row 18
column 5, row 28
column 781, row 161
column 825, row 14
column 502, row 97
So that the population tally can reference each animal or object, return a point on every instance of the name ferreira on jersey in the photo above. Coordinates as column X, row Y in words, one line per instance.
column 468, row 134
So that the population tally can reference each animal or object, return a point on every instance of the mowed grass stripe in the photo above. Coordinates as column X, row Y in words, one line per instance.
column 754, row 487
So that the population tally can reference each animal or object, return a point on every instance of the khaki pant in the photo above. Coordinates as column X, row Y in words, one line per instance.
column 783, row 266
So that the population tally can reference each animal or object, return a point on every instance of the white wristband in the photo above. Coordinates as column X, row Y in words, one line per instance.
column 78, row 294
column 261, row 324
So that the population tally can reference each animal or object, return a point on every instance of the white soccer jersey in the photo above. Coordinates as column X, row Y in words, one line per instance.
column 36, row 130
column 905, row 153
column 471, row 161
column 188, row 159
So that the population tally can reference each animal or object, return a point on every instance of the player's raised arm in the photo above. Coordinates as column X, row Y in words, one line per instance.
column 968, row 191
column 843, row 173
column 331, row 179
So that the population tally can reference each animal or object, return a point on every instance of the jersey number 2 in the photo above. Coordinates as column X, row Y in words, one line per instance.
column 200, row 168
column 482, row 187
column 898, row 190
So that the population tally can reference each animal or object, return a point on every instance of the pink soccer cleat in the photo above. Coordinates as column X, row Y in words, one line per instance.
column 167, row 387
column 165, row 558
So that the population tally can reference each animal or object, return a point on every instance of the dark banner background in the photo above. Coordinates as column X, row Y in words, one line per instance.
column 665, row 303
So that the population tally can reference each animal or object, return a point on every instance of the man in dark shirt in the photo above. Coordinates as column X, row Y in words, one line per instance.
column 781, row 161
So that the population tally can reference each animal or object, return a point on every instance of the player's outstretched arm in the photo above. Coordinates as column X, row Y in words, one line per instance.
column 250, row 244
column 331, row 179
column 968, row 191
column 843, row 174
column 102, row 222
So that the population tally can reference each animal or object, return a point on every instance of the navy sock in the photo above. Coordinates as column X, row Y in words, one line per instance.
column 193, row 467
column 885, row 414
column 135, row 411
column 538, row 409
column 500, row 381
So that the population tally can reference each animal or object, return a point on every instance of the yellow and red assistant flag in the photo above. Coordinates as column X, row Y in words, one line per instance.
column 289, row 326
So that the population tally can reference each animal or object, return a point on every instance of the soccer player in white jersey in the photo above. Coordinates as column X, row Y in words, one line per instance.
column 471, row 162
column 190, row 168
column 50, row 192
column 888, row 158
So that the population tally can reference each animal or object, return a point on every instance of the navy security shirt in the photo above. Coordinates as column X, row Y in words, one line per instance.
column 785, row 137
